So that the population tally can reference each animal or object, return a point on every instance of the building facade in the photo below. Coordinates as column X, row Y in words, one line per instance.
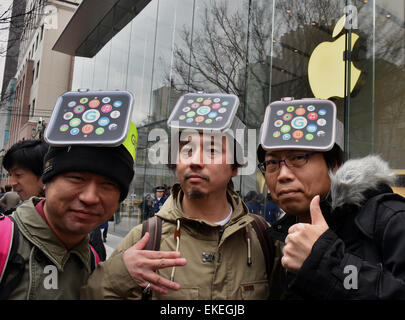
column 260, row 50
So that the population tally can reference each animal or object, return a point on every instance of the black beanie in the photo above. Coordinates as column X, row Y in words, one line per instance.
column 115, row 163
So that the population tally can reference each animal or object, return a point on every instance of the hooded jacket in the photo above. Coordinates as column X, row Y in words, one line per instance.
column 216, row 256
column 361, row 255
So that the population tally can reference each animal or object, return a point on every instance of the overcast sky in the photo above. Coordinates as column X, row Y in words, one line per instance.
column 4, row 5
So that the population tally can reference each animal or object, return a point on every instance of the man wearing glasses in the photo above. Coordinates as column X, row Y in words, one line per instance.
column 343, row 230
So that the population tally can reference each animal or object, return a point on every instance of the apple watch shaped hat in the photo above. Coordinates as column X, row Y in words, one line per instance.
column 306, row 124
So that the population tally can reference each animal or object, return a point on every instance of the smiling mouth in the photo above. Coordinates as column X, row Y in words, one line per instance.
column 287, row 193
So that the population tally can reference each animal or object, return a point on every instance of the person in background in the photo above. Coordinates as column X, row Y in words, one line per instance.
column 272, row 210
column 252, row 203
column 9, row 201
column 160, row 198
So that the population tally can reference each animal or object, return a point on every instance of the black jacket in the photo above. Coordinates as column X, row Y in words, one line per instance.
column 362, row 255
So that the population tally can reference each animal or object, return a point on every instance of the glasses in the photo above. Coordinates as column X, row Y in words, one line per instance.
column 291, row 161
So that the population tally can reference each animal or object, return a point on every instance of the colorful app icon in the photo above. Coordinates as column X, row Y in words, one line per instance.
column 190, row 114
column 322, row 112
column 321, row 133
column 312, row 116
column 203, row 110
column 115, row 114
column 68, row 116
column 190, row 101
column 287, row 117
column 286, row 128
column 225, row 103
column 208, row 121
column 216, row 100
column 117, row 103
column 278, row 123
column 74, row 131
column 216, row 106
column 286, row 136
column 199, row 119
column 75, row 122
column 222, row 110
column 91, row 115
column 207, row 102
column 71, row 104
column 88, row 128
column 113, row 127
column 298, row 134
column 106, row 108
column 290, row 108
column 309, row 137
column 276, row 134
column 186, row 109
column 78, row 109
column 94, row 103
column 182, row 117
column 212, row 114
column 311, row 108
column 195, row 105
column 299, row 123
column 300, row 111
column 104, row 121
column 312, row 127
column 106, row 100
column 84, row 100
column 199, row 99
column 321, row 122
column 64, row 128
column 218, row 118
column 189, row 120
column 280, row 113
column 99, row 131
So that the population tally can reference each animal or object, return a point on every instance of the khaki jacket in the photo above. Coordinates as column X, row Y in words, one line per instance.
column 227, row 276
column 46, row 257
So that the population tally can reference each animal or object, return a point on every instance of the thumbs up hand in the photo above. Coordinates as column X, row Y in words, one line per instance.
column 301, row 238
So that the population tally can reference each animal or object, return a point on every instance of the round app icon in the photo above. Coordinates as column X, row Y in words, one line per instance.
column 84, row 100
column 276, row 134
column 299, row 123
column 106, row 100
column 186, row 109
column 217, row 100
column 115, row 114
column 182, row 117
column 218, row 118
column 311, row 108
column 298, row 134
column 321, row 122
column 199, row 99
column 71, row 104
column 199, row 119
column 203, row 110
column 112, row 127
column 208, row 121
column 290, row 109
column 190, row 114
column 189, row 120
column 321, row 133
column 117, row 103
column 322, row 112
column 312, row 127
column 287, row 117
column 88, row 128
column 99, row 131
column 216, row 106
column 225, row 103
column 94, row 103
column 312, row 116
column 190, row 101
column 104, row 121
column 91, row 115
column 222, row 110
column 309, row 137
column 64, row 128
column 74, row 131
column 280, row 113
column 106, row 108
column 75, row 122
column 68, row 116
column 286, row 136
column 278, row 123
column 207, row 102
column 300, row 111
column 78, row 109
column 195, row 105
column 286, row 128
column 212, row 114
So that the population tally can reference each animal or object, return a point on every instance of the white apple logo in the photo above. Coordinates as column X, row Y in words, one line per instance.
column 326, row 67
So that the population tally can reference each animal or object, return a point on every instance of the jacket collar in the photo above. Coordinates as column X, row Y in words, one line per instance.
column 36, row 230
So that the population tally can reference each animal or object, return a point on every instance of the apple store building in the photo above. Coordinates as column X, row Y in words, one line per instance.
column 349, row 51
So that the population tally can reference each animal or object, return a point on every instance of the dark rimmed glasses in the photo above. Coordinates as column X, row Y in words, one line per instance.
column 292, row 161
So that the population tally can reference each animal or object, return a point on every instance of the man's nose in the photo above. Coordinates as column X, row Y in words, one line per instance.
column 284, row 173
column 90, row 193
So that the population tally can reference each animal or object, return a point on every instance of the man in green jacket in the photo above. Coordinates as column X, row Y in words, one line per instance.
column 83, row 186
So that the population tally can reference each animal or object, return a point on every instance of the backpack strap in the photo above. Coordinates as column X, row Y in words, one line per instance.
column 260, row 225
column 9, row 240
column 95, row 259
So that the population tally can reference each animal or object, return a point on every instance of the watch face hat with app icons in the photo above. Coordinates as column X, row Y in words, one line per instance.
column 305, row 124
column 106, row 153
column 209, row 112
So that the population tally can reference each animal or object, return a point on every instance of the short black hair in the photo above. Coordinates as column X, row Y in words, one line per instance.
column 8, row 188
column 29, row 154
column 333, row 157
